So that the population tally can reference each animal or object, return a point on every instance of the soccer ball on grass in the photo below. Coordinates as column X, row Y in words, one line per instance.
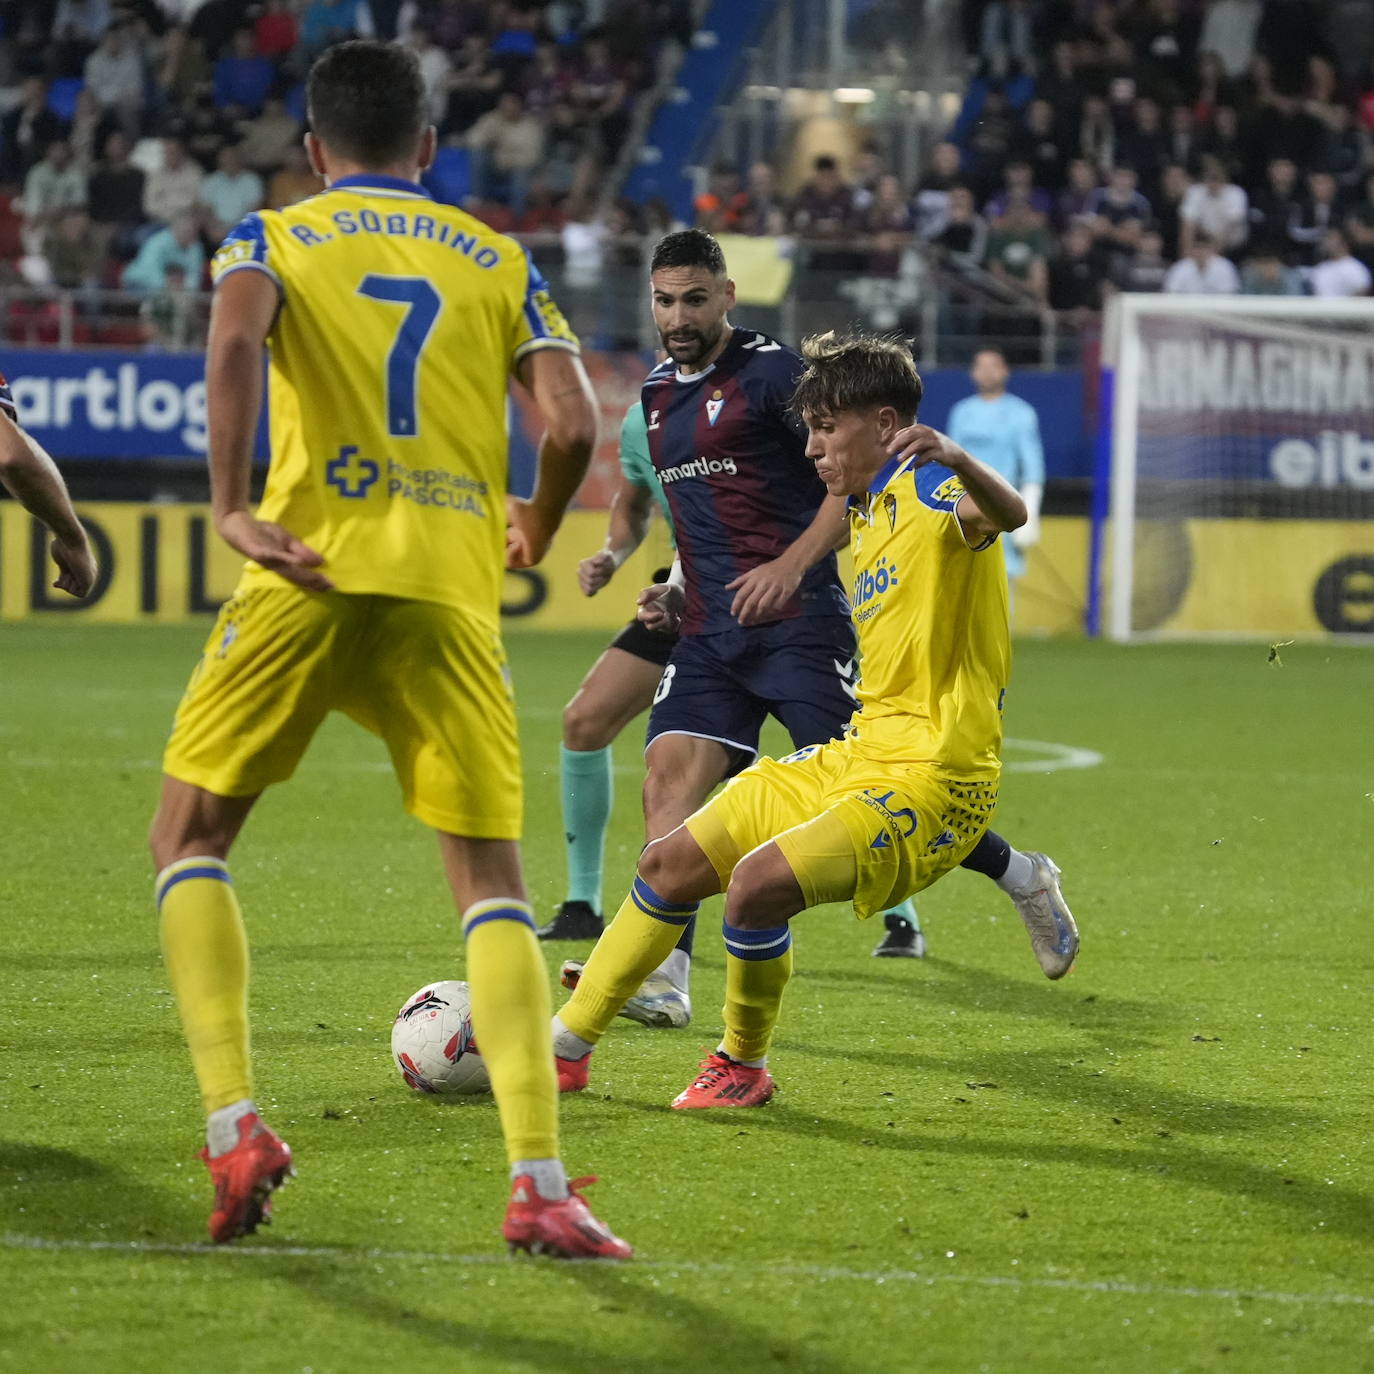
column 432, row 1044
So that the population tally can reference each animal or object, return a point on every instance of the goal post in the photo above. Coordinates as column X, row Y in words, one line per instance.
column 1237, row 460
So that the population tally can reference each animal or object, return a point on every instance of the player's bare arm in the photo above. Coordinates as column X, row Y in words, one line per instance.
column 558, row 383
column 632, row 508
column 763, row 591
column 244, row 307
column 990, row 504
column 32, row 478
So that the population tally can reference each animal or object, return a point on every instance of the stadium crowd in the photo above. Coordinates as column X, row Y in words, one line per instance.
column 136, row 132
column 1105, row 145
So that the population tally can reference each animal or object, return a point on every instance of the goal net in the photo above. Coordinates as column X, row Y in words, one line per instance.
column 1235, row 483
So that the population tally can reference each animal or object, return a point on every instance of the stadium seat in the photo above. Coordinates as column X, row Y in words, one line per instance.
column 62, row 94
column 450, row 178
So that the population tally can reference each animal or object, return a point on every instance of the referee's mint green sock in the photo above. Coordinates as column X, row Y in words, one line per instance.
column 585, row 775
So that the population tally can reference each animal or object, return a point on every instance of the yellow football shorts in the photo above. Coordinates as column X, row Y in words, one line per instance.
column 850, row 827
column 429, row 679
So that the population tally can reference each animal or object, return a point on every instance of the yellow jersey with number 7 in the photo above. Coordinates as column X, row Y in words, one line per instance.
column 400, row 323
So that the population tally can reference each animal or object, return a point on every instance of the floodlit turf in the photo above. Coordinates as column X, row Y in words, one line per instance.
column 1161, row 1164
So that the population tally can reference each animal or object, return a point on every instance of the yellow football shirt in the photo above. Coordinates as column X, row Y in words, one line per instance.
column 401, row 321
column 931, row 615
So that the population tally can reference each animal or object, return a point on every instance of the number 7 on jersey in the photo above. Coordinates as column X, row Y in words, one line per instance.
column 403, row 361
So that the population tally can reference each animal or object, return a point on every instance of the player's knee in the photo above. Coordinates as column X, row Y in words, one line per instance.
column 676, row 868
column 583, row 729
column 763, row 892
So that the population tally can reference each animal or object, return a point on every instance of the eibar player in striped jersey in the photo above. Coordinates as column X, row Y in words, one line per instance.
column 764, row 622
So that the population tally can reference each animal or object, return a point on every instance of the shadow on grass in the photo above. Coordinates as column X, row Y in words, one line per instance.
column 1338, row 1210
column 508, row 1331
column 61, row 1195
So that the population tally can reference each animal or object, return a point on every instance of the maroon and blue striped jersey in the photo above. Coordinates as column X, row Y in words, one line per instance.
column 732, row 460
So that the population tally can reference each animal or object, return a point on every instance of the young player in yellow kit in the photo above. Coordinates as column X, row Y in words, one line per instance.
column 899, row 801
column 373, row 587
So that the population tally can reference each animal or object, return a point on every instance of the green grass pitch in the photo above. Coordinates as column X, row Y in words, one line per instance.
column 1162, row 1163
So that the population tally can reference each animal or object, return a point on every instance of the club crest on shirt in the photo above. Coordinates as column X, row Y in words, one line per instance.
column 890, row 507
column 653, row 419
column 713, row 408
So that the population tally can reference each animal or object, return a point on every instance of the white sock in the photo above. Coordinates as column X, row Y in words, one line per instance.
column 1020, row 874
column 550, row 1180
column 677, row 969
column 566, row 1045
column 222, row 1127
column 746, row 1063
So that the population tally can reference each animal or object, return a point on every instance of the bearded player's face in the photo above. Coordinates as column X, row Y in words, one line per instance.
column 690, row 305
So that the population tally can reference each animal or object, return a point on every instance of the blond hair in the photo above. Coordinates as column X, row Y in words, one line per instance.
column 857, row 372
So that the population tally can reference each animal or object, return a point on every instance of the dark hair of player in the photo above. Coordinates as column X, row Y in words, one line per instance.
column 366, row 102
column 858, row 372
column 688, row 248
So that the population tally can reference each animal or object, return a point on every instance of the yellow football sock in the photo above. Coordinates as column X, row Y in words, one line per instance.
column 758, row 964
column 206, row 952
column 643, row 934
column 511, row 1008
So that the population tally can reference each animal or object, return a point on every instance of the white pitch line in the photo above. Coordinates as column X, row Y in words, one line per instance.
column 810, row 1272
column 1061, row 756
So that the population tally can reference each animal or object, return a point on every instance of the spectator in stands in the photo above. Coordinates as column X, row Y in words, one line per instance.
column 171, row 191
column 1228, row 30
column 1276, row 206
column 1280, row 127
column 720, row 209
column 1146, row 268
column 1339, row 273
column 1211, row 90
column 456, row 23
column 989, row 144
column 1359, row 225
column 74, row 252
column 28, row 129
column 1215, row 207
column 1006, row 41
column 205, row 128
column 1182, row 137
column 600, row 92
column 1040, row 146
column 325, row 22
column 182, row 70
column 547, row 80
column 166, row 313
column 1264, row 273
column 1223, row 141
column 888, row 211
column 1075, row 274
column 824, row 207
column 1203, row 272
column 229, row 193
column 931, row 201
column 1165, row 42
column 53, row 185
column 1117, row 204
column 869, row 169
column 1074, row 200
column 1018, row 186
column 275, row 31
column 265, row 139
column 1097, row 134
column 567, row 151
column 90, row 127
column 964, row 239
column 436, row 67
column 77, row 26
column 765, row 210
column 294, row 181
column 115, row 77
column 1318, row 211
column 1143, row 144
column 242, row 77
column 506, row 145
column 115, row 194
column 1017, row 248
column 1173, row 187
column 474, row 86
column 1345, row 150
column 175, row 245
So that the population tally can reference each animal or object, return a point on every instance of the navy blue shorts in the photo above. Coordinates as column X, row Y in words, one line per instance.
column 724, row 686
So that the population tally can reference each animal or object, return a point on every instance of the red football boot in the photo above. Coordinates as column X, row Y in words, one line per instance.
column 572, row 1073
column 721, row 1082
column 245, row 1178
column 565, row 1229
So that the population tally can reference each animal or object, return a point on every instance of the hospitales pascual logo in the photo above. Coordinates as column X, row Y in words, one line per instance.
column 114, row 399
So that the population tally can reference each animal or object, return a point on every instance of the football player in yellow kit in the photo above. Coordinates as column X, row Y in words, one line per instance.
column 898, row 802
column 372, row 587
